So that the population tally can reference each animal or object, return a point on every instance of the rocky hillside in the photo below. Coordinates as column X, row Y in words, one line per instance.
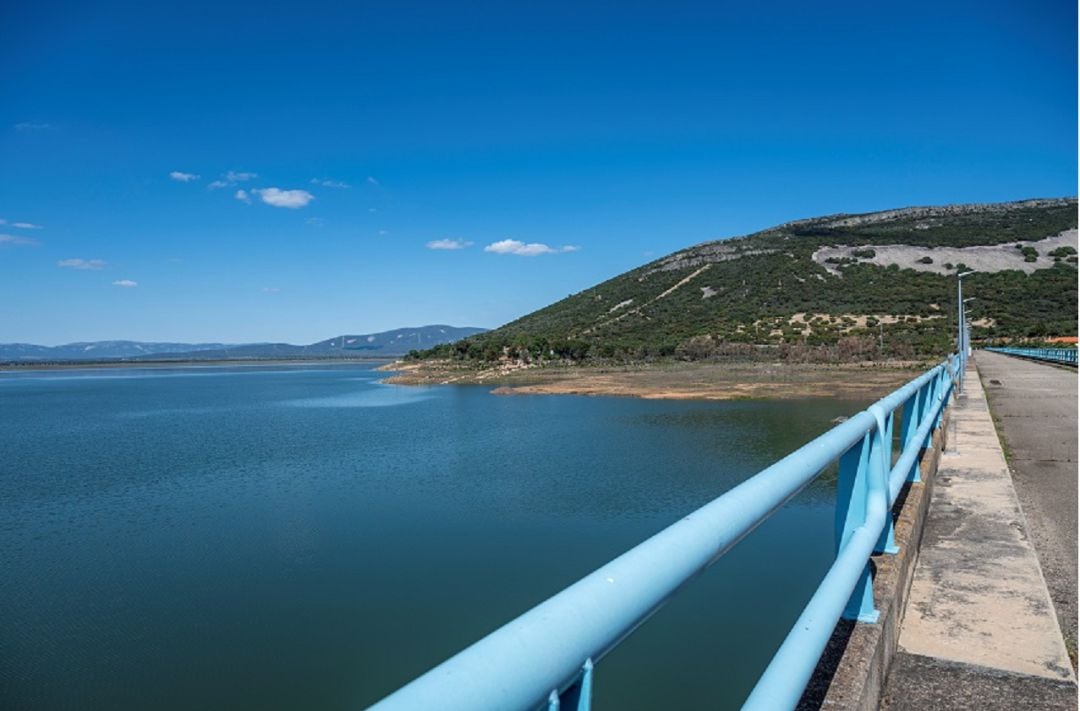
column 877, row 284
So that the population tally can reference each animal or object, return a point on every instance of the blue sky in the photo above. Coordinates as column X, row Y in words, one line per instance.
column 558, row 144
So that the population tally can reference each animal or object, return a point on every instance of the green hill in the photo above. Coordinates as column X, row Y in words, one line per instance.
column 841, row 286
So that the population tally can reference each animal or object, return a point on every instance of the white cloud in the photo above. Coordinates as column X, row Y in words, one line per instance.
column 26, row 225
column 17, row 240
column 521, row 249
column 448, row 244
column 30, row 126
column 372, row 181
column 315, row 221
column 3, row 221
column 231, row 178
column 292, row 199
column 242, row 196
column 93, row 264
column 126, row 283
column 327, row 183
column 270, row 290
column 183, row 177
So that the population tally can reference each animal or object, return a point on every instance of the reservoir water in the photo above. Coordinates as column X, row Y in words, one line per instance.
column 307, row 538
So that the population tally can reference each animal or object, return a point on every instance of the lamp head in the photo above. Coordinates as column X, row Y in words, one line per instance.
column 961, row 275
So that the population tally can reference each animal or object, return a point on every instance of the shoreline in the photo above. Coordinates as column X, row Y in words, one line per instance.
column 665, row 380
column 670, row 380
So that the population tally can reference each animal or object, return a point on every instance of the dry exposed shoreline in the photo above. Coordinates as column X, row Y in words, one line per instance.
column 671, row 380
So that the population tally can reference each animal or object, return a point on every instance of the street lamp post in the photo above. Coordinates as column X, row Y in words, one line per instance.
column 961, row 346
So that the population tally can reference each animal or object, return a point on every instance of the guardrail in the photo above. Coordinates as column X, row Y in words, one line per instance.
column 547, row 656
column 1053, row 355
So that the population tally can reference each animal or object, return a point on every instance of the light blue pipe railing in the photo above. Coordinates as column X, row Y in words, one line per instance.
column 546, row 657
column 1053, row 355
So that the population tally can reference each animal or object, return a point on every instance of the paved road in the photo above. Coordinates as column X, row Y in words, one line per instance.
column 1035, row 408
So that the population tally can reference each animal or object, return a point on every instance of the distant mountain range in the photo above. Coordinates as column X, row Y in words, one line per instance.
column 385, row 344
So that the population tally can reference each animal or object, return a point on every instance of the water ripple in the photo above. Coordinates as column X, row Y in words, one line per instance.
column 376, row 395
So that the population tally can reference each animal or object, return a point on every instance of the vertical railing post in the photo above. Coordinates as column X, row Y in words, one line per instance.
column 926, row 401
column 578, row 697
column 852, row 494
column 933, row 389
column 939, row 395
column 880, row 465
column 909, row 425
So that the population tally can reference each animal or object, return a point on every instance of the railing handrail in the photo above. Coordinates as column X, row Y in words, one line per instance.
column 550, row 651
column 1054, row 355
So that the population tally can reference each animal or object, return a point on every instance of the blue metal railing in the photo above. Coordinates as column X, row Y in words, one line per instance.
column 546, row 657
column 1053, row 355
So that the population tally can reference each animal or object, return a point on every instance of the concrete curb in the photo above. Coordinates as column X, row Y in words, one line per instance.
column 852, row 671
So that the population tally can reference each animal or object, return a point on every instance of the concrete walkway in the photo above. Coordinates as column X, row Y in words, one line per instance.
column 979, row 629
column 1034, row 406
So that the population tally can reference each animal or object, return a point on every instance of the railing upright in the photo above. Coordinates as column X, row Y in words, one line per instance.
column 913, row 414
